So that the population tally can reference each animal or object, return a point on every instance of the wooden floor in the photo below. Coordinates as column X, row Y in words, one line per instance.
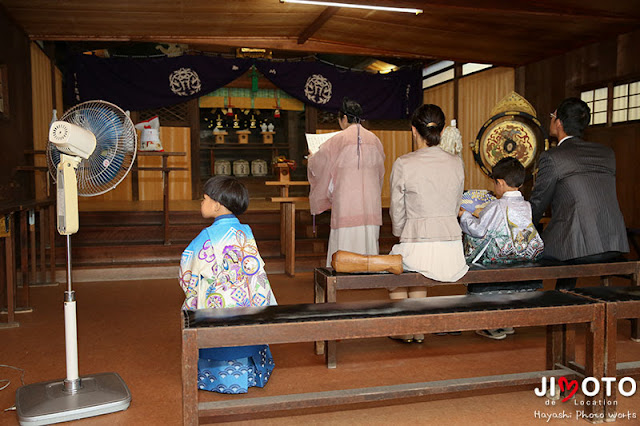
column 132, row 328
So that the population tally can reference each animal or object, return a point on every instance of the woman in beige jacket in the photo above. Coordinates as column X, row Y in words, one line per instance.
column 426, row 191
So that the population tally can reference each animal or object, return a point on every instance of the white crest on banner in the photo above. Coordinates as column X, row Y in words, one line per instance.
column 185, row 82
column 318, row 89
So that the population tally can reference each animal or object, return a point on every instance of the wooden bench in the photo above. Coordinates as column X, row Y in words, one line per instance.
column 620, row 303
column 327, row 282
column 311, row 322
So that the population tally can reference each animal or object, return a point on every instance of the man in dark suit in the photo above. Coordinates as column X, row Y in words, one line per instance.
column 578, row 179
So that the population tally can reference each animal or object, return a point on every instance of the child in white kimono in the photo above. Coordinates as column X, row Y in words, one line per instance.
column 503, row 233
column 221, row 268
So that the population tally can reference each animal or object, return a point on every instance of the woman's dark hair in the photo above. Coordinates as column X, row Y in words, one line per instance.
column 429, row 122
column 229, row 192
column 351, row 109
column 511, row 170
column 575, row 115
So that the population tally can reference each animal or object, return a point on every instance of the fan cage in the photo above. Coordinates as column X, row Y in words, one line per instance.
column 115, row 152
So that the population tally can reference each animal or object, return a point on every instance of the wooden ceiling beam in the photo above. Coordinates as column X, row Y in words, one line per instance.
column 527, row 8
column 317, row 23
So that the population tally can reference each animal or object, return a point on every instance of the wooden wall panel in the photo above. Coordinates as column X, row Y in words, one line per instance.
column 16, row 128
column 442, row 96
column 42, row 109
column 479, row 93
column 174, row 139
column 395, row 144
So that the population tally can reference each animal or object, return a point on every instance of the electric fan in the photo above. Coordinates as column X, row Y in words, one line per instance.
column 90, row 150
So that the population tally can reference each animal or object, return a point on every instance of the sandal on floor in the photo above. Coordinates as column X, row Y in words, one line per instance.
column 491, row 334
column 403, row 339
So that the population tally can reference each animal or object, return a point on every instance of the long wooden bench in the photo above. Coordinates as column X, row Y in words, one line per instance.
column 620, row 303
column 312, row 322
column 328, row 283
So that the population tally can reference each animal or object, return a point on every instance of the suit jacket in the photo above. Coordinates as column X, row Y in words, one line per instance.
column 578, row 179
column 426, row 193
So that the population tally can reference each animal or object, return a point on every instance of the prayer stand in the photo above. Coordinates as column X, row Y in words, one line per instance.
column 287, row 220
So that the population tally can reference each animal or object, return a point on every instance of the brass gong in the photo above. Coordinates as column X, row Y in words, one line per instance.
column 513, row 130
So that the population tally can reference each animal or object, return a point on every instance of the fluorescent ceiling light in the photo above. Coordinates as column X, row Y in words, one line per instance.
column 355, row 6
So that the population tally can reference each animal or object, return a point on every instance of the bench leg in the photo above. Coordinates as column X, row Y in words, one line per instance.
column 319, row 297
column 569, row 353
column 594, row 364
column 331, row 345
column 635, row 330
column 610, row 354
column 635, row 323
column 331, row 354
column 189, row 378
column 555, row 345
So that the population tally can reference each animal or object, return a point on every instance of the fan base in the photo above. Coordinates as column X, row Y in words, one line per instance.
column 47, row 402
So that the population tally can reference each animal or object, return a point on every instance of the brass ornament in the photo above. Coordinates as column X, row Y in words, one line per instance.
column 513, row 130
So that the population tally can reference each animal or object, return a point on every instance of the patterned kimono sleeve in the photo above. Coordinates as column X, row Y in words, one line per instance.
column 189, row 273
column 258, row 282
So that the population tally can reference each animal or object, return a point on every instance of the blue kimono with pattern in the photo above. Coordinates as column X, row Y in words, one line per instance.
column 221, row 268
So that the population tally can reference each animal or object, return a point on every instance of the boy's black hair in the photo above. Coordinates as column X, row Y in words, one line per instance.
column 511, row 170
column 229, row 192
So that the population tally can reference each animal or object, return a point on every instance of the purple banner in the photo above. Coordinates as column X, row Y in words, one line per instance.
column 382, row 96
column 145, row 83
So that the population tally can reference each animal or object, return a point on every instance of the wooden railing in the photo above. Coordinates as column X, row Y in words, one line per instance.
column 18, row 223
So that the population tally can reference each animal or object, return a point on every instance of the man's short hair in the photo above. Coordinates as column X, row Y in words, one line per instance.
column 511, row 170
column 575, row 115
column 229, row 192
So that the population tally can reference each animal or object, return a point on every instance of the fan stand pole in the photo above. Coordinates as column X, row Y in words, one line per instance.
column 72, row 382
column 73, row 398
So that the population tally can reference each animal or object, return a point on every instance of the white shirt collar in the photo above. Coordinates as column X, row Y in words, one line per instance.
column 512, row 194
column 564, row 139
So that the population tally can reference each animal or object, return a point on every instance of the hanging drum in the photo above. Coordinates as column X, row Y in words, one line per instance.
column 512, row 131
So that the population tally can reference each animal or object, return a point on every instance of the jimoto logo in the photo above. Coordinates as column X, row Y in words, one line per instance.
column 590, row 386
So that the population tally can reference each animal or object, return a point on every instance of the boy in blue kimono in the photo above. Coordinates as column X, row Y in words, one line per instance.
column 221, row 268
column 503, row 233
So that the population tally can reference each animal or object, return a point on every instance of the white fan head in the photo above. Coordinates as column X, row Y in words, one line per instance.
column 72, row 139
column 104, row 167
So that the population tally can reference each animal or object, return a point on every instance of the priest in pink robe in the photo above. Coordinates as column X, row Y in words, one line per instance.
column 346, row 175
